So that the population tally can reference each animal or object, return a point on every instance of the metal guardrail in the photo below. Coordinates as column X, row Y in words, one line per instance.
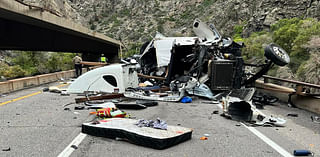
column 299, row 84
column 292, row 81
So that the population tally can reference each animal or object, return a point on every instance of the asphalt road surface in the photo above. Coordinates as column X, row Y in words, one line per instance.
column 35, row 123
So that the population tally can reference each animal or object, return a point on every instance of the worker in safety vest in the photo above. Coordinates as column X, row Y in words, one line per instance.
column 77, row 65
column 103, row 59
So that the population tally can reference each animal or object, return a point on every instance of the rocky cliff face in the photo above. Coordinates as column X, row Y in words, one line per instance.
column 61, row 7
column 136, row 20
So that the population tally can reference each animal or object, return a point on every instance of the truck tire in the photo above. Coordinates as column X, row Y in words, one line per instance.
column 277, row 55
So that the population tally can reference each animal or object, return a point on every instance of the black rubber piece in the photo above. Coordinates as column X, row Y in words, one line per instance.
column 131, row 106
column 147, row 103
column 273, row 52
column 136, row 138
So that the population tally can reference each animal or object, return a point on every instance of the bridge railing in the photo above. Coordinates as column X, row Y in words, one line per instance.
column 299, row 88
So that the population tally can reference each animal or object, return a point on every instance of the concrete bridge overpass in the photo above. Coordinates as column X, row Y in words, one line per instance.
column 29, row 28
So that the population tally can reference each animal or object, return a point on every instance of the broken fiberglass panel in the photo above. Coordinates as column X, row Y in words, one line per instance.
column 163, row 51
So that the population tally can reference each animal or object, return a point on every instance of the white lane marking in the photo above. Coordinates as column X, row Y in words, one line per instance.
column 268, row 141
column 265, row 139
column 68, row 150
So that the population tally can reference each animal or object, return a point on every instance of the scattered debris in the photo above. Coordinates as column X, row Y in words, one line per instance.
column 54, row 89
column 68, row 104
column 206, row 135
column 64, row 93
column 101, row 105
column 238, row 124
column 292, row 115
column 76, row 112
column 147, row 103
column 46, row 89
column 6, row 149
column 302, row 153
column 67, row 109
column 264, row 99
column 74, row 146
column 315, row 119
column 203, row 138
column 79, row 107
column 130, row 106
column 186, row 99
column 215, row 112
column 202, row 90
column 109, row 113
column 102, row 97
column 258, row 105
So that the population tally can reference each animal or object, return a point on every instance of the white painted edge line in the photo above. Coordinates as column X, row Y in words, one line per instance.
column 265, row 139
column 268, row 141
column 68, row 150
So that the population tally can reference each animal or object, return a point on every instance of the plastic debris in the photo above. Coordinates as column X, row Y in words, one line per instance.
column 215, row 112
column 186, row 99
column 292, row 115
column 74, row 146
column 203, row 138
column 109, row 113
column 101, row 106
column 315, row 119
column 202, row 90
column 147, row 102
column 6, row 149
column 302, row 153
column 46, row 89
column 54, row 89
column 64, row 93
column 79, row 107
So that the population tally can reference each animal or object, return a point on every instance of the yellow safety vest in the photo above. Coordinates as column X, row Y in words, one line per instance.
column 103, row 59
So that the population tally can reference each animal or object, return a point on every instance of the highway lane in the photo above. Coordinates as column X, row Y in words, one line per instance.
column 39, row 126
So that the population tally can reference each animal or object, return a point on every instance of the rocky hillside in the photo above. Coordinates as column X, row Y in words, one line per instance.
column 137, row 20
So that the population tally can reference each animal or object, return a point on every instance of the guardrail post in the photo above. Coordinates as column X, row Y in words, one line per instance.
column 299, row 89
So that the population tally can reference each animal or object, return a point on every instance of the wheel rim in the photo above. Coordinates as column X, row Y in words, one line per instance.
column 281, row 54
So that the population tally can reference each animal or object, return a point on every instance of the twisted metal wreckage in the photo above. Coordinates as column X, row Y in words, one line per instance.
column 207, row 66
